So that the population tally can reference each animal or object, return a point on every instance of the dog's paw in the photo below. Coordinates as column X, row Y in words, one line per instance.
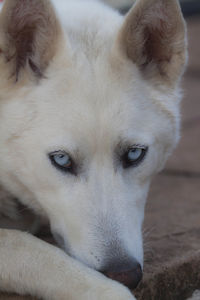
column 121, row 293
column 111, row 291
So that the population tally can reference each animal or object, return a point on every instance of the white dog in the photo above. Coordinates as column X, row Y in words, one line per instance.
column 89, row 112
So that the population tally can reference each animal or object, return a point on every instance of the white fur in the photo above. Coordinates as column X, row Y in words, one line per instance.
column 86, row 106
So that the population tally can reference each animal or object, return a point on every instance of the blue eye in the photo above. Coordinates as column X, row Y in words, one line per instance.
column 62, row 161
column 134, row 156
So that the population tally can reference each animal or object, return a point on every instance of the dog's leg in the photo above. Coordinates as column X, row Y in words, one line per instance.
column 30, row 266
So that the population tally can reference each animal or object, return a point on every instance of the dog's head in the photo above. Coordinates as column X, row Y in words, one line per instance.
column 88, row 115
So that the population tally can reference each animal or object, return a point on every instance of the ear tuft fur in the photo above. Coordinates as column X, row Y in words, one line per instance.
column 29, row 32
column 153, row 36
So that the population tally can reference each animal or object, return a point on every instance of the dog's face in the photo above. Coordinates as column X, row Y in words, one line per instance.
column 84, row 141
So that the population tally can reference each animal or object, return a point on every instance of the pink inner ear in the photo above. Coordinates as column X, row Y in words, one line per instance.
column 154, row 38
column 156, row 14
column 157, row 44
column 32, row 32
column 158, row 33
column 151, row 33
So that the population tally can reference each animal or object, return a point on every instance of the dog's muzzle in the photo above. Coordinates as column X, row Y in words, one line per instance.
column 127, row 271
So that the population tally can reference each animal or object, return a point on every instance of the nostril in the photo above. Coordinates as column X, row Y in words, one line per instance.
column 129, row 278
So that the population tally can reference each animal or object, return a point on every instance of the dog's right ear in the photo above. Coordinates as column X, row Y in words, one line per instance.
column 29, row 33
column 153, row 37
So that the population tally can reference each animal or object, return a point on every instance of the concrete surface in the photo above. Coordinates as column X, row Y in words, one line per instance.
column 172, row 222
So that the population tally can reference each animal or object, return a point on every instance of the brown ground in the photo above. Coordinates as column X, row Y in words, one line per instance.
column 172, row 224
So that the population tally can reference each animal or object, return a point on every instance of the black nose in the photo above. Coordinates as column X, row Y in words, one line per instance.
column 129, row 275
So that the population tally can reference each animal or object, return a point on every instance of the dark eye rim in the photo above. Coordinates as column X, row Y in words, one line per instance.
column 71, row 169
column 128, row 163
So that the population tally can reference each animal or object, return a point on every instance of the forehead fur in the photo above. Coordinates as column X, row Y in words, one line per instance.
column 95, row 101
column 88, row 84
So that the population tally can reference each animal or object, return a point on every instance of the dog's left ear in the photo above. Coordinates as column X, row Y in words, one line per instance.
column 153, row 37
column 29, row 33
